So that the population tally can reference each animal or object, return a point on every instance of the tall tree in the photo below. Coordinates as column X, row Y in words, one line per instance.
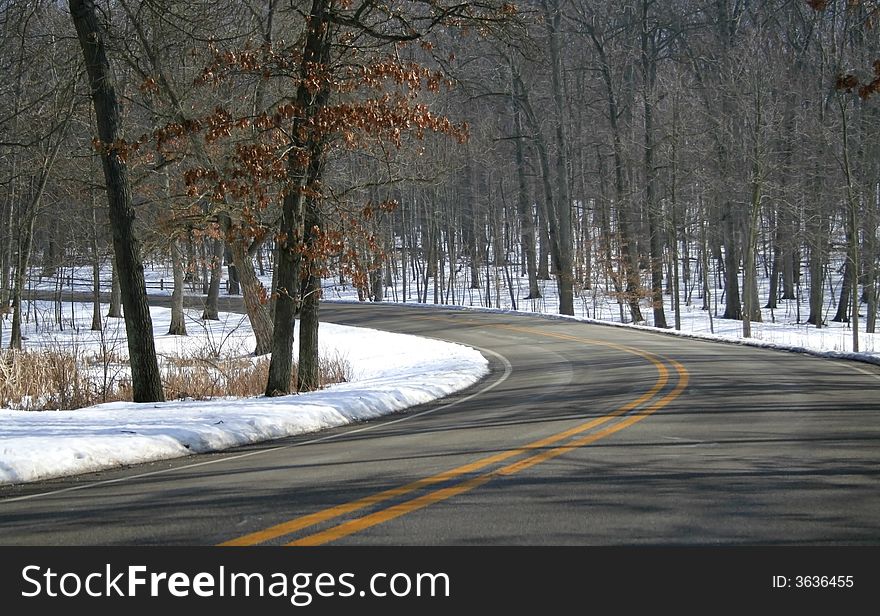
column 559, row 201
column 146, row 382
column 650, row 42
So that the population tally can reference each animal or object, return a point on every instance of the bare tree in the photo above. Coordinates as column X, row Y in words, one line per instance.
column 146, row 382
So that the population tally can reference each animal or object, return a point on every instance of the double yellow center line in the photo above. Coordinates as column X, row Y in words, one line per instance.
column 538, row 451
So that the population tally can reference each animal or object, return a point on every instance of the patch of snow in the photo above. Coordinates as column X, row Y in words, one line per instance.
column 390, row 372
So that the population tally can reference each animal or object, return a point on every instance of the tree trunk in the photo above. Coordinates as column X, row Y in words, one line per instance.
column 52, row 251
column 852, row 231
column 281, row 365
column 544, row 245
column 732, row 305
column 524, row 211
column 315, row 53
column 560, row 205
column 233, row 282
column 704, row 268
column 272, row 290
column 751, row 309
column 96, row 272
column 605, row 237
column 25, row 244
column 204, row 264
column 870, row 288
column 675, row 259
column 473, row 219
column 655, row 249
column 790, row 269
column 115, row 311
column 785, row 244
column 377, row 288
column 308, row 369
column 785, row 261
column 145, row 377
column 7, row 251
column 870, row 259
column 652, row 207
column 191, row 267
column 817, row 280
column 254, row 296
column 178, row 320
column 674, row 223
column 843, row 310
column 775, row 270
column 211, row 312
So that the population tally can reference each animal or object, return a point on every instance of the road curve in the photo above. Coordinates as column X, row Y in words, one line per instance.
column 582, row 434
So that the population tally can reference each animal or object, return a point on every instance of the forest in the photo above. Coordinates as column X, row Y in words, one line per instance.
column 645, row 150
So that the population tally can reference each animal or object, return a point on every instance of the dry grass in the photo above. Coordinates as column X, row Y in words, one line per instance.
column 52, row 379
column 206, row 378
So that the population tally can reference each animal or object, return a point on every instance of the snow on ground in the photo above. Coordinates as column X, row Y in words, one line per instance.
column 389, row 372
column 781, row 328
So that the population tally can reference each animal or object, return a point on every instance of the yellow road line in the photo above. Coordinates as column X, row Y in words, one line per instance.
column 293, row 525
column 286, row 528
column 395, row 511
column 354, row 526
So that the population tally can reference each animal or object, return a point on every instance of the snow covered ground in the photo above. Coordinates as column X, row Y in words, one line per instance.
column 389, row 372
column 783, row 327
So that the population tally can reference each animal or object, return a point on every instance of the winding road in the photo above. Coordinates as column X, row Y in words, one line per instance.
column 582, row 434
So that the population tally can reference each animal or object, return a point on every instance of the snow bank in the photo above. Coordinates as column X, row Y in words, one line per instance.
column 390, row 372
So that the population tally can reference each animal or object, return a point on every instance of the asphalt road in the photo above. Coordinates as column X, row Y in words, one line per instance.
column 581, row 434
